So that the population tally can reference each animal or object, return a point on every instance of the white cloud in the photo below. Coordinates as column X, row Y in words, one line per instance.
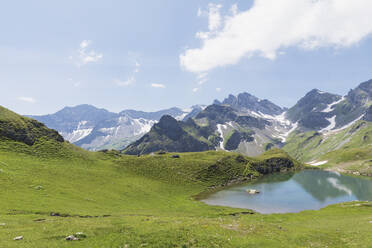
column 158, row 85
column 26, row 99
column 214, row 16
column 195, row 89
column 202, row 78
column 138, row 65
column 86, row 56
column 200, row 12
column 74, row 83
column 218, row 89
column 85, row 43
column 132, row 79
column 270, row 26
column 214, row 20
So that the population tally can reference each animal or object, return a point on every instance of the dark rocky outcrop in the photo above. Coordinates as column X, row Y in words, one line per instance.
column 368, row 115
column 236, row 138
column 168, row 135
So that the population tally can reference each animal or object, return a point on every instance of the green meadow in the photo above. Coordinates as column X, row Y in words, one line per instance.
column 51, row 190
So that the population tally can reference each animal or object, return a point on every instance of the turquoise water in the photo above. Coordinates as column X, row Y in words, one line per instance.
column 294, row 192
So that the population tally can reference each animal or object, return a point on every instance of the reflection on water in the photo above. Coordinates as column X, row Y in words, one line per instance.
column 294, row 192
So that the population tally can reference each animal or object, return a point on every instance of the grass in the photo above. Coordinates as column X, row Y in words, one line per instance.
column 147, row 201
column 348, row 150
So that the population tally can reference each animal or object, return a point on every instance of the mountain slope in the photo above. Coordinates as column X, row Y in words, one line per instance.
column 250, row 126
column 23, row 129
column 167, row 135
column 323, row 111
column 217, row 127
column 349, row 149
column 96, row 129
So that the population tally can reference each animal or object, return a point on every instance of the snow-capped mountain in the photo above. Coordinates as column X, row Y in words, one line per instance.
column 250, row 125
column 325, row 112
column 96, row 129
column 244, row 124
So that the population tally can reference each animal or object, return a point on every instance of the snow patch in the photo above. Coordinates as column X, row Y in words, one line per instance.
column 329, row 107
column 256, row 114
column 347, row 125
column 315, row 163
column 219, row 129
column 285, row 135
column 144, row 125
column 187, row 110
column 331, row 126
column 181, row 117
column 78, row 134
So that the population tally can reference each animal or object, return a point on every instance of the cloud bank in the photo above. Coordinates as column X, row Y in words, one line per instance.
column 270, row 26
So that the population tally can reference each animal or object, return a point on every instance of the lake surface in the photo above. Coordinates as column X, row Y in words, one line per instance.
column 294, row 192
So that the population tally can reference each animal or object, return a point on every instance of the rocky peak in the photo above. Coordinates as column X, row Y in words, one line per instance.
column 361, row 94
column 247, row 102
column 218, row 113
column 314, row 101
column 367, row 87
column 169, row 126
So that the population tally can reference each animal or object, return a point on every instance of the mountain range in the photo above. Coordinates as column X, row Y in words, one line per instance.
column 95, row 129
column 242, row 123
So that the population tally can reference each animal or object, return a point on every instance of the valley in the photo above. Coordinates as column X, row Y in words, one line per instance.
column 109, row 199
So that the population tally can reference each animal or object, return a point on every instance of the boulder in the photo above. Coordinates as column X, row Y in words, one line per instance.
column 252, row 191
column 72, row 238
column 18, row 238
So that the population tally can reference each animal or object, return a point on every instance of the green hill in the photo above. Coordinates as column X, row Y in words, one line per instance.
column 52, row 189
column 23, row 129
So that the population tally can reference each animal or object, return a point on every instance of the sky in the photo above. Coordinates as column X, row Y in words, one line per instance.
column 151, row 55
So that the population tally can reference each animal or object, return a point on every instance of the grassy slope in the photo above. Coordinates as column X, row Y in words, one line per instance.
column 349, row 149
column 23, row 129
column 149, row 200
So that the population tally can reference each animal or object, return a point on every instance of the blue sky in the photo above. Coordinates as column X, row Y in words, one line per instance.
column 150, row 55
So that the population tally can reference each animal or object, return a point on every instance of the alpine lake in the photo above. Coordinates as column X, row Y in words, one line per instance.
column 294, row 192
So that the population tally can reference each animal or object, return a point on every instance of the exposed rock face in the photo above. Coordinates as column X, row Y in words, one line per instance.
column 246, row 101
column 167, row 135
column 313, row 102
column 250, row 121
column 170, row 127
column 319, row 110
column 361, row 94
column 368, row 115
column 218, row 113
column 236, row 138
